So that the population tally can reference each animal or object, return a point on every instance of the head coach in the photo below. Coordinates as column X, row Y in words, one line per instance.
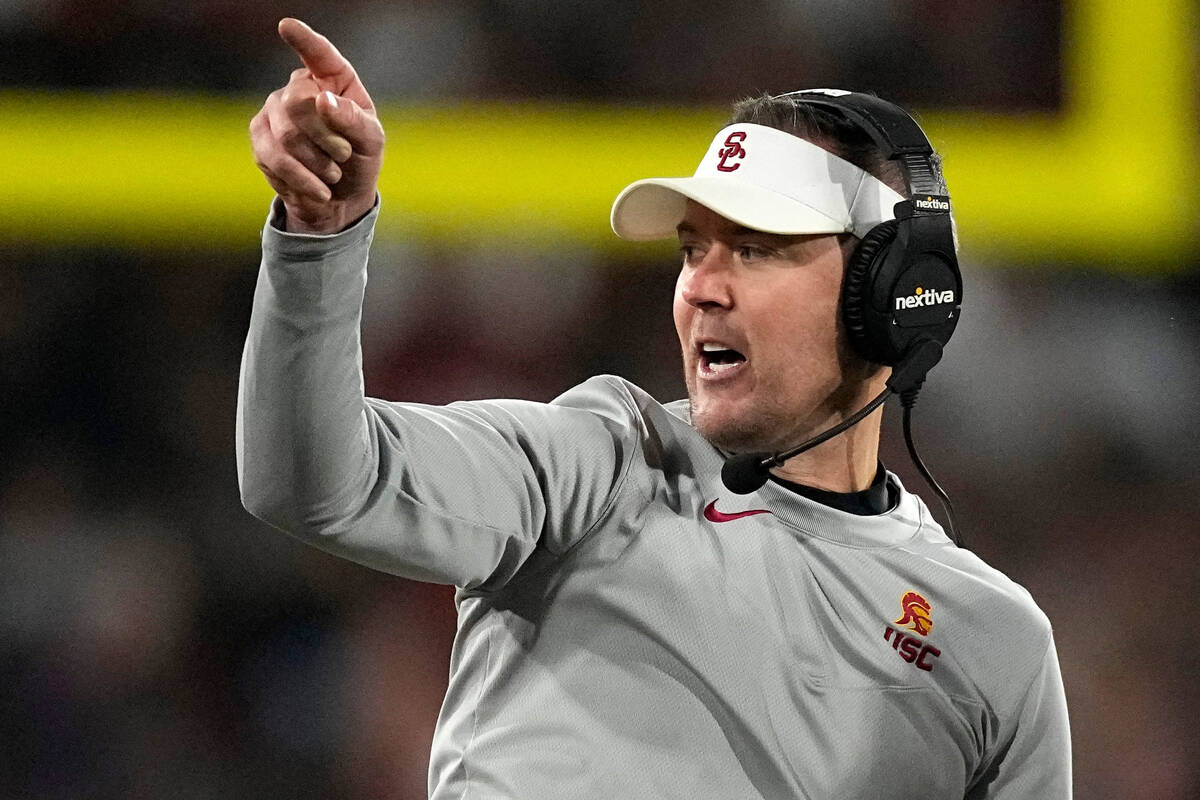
column 721, row 597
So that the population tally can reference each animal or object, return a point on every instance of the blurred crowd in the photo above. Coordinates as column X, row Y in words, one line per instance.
column 625, row 50
column 156, row 641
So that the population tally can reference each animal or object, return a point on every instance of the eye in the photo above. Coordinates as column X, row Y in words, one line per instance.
column 687, row 252
column 752, row 252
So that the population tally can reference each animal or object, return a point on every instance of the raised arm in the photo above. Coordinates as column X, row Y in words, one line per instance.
column 460, row 494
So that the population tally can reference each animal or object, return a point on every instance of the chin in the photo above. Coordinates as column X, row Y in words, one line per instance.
column 733, row 433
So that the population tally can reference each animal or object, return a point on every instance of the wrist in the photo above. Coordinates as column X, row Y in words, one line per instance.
column 335, row 219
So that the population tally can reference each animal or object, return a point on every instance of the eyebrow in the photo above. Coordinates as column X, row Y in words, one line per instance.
column 737, row 230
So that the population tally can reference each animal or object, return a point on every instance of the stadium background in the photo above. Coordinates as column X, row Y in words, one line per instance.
column 156, row 641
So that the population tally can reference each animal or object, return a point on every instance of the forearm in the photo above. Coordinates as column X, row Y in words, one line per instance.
column 303, row 445
column 453, row 494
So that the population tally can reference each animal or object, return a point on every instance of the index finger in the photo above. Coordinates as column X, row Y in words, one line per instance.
column 318, row 53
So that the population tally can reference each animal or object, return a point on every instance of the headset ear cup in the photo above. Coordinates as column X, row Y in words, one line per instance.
column 871, row 344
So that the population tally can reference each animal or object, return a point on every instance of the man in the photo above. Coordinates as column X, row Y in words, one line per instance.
column 627, row 627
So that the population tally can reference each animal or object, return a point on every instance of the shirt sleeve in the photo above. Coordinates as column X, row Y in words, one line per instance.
column 1035, row 759
column 459, row 494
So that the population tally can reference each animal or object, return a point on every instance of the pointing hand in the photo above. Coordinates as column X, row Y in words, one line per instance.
column 318, row 140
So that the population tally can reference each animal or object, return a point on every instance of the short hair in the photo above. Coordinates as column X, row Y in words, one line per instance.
column 832, row 131
column 825, row 128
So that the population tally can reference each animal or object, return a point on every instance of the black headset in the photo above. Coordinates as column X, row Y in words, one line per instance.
column 902, row 292
column 902, row 285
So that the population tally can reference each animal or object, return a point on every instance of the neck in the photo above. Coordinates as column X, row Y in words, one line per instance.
column 845, row 463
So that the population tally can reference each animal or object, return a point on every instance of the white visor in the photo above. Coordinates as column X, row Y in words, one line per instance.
column 764, row 179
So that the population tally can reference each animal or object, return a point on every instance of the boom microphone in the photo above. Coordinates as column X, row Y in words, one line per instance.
column 746, row 473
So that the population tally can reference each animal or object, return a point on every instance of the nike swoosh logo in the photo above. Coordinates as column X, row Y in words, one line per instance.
column 712, row 515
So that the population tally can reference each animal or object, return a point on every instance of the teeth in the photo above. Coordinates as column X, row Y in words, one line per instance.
column 709, row 347
column 724, row 366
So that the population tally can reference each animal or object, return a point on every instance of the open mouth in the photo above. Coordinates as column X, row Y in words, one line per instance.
column 717, row 359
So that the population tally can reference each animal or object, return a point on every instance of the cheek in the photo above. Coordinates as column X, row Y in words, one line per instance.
column 802, row 329
column 682, row 313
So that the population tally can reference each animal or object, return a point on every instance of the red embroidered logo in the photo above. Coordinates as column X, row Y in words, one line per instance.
column 918, row 616
column 712, row 515
column 916, row 613
column 732, row 149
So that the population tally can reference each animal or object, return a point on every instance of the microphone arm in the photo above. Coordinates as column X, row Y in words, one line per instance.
column 746, row 473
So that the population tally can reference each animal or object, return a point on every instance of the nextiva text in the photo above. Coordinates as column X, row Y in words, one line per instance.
column 925, row 297
column 931, row 204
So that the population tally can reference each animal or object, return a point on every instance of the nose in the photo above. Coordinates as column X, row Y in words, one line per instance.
column 704, row 282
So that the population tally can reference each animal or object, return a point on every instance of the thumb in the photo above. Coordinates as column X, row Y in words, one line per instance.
column 360, row 128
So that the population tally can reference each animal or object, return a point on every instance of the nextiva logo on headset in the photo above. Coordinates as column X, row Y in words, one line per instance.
column 925, row 297
column 931, row 203
column 923, row 306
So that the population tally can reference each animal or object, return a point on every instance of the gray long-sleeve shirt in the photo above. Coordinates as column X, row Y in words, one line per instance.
column 627, row 628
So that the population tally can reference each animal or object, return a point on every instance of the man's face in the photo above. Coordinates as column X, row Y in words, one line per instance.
column 764, row 356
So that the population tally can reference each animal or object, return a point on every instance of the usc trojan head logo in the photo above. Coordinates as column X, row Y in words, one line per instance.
column 916, row 613
column 732, row 150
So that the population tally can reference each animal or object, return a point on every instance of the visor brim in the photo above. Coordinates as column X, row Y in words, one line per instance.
column 652, row 208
